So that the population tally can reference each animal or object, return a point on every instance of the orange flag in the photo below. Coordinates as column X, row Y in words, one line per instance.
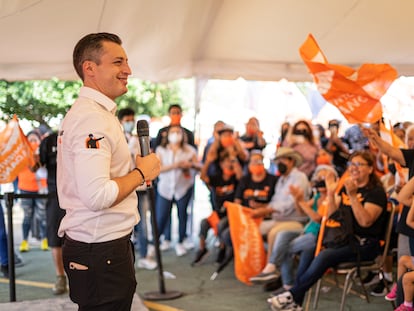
column 356, row 93
column 15, row 152
column 213, row 220
column 249, row 253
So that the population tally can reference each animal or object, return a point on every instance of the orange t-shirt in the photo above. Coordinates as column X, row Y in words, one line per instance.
column 27, row 181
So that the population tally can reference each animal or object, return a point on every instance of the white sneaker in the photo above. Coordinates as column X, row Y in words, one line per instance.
column 180, row 249
column 165, row 245
column 281, row 301
column 150, row 251
column 188, row 243
column 146, row 263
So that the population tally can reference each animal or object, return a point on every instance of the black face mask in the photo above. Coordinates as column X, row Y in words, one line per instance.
column 320, row 184
column 301, row 132
column 282, row 168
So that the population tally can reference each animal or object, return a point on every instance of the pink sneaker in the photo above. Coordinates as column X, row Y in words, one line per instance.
column 392, row 295
column 403, row 307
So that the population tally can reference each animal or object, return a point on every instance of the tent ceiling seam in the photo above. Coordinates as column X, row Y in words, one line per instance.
column 22, row 10
column 345, row 15
column 101, row 15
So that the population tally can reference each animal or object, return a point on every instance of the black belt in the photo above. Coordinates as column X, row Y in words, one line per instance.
column 126, row 237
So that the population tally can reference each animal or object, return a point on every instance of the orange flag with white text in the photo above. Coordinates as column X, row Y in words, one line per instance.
column 249, row 253
column 356, row 93
column 15, row 152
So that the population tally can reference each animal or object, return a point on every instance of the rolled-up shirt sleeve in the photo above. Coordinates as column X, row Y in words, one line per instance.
column 96, row 190
column 92, row 166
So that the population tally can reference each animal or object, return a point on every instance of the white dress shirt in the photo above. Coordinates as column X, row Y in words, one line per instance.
column 173, row 183
column 85, row 188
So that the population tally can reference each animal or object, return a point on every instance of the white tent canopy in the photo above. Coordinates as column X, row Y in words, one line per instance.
column 170, row 39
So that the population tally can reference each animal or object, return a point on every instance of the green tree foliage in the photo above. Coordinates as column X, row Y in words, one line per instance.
column 40, row 101
column 35, row 100
column 149, row 98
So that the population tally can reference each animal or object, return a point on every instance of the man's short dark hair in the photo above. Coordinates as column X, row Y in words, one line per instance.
column 125, row 112
column 90, row 48
column 174, row 106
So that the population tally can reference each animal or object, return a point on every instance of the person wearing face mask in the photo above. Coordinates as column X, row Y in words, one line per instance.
column 222, row 186
column 300, row 138
column 254, row 190
column 281, row 211
column 175, row 112
column 34, row 209
column 126, row 117
column 298, row 242
column 225, row 141
column 253, row 139
column 175, row 182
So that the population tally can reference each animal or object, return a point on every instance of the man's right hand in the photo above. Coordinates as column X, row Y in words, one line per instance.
column 150, row 166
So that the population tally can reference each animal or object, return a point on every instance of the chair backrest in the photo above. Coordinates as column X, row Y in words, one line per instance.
column 388, row 230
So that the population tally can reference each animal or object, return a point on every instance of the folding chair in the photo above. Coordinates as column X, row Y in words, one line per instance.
column 350, row 269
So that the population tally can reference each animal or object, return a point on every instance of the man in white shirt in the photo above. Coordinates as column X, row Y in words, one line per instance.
column 96, row 185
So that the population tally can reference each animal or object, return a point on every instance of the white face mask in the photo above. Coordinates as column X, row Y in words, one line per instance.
column 174, row 138
column 128, row 126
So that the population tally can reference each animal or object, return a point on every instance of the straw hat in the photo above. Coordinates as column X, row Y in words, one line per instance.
column 286, row 152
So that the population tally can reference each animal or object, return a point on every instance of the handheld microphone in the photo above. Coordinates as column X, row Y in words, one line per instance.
column 144, row 141
column 143, row 137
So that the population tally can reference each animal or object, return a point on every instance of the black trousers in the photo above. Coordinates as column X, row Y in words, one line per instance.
column 101, row 275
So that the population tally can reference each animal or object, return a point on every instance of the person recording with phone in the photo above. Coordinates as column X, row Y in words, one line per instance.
column 337, row 148
column 176, row 182
column 95, row 183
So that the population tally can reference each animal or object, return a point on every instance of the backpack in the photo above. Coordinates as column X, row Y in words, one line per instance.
column 338, row 229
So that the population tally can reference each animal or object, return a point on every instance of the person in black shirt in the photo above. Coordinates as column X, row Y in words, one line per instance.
column 222, row 186
column 54, row 214
column 175, row 112
column 253, row 138
column 255, row 190
column 364, row 196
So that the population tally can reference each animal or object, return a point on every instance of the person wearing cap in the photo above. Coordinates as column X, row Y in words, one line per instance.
column 255, row 190
column 225, row 141
column 298, row 242
column 223, row 185
column 282, row 210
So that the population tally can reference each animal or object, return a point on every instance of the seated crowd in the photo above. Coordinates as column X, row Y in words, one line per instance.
column 314, row 175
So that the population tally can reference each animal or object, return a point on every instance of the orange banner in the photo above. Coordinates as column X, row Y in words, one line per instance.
column 15, row 152
column 213, row 221
column 249, row 253
column 356, row 93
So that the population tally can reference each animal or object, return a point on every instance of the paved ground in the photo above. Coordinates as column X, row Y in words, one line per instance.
column 36, row 277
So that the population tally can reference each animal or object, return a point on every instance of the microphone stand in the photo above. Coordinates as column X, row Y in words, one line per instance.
column 162, row 294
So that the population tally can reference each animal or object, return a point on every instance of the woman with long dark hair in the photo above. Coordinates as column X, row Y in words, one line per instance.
column 362, row 194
